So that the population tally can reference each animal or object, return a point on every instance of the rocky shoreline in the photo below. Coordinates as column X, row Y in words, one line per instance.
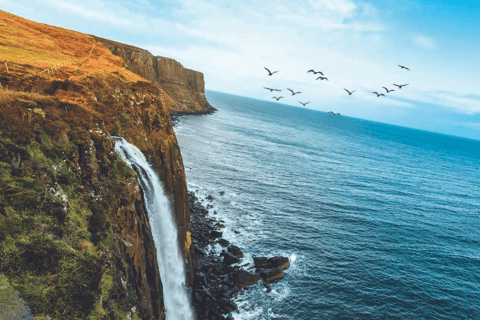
column 218, row 278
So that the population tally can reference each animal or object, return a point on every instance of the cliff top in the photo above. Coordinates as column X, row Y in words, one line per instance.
column 34, row 48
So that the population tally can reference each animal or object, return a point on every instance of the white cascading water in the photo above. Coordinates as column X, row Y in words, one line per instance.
column 164, row 231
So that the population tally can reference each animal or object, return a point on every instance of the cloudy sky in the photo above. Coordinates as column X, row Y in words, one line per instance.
column 356, row 44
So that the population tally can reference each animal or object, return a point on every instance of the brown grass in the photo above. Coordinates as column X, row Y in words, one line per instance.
column 54, row 52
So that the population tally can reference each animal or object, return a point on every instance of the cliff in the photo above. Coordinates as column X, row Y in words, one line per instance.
column 184, row 88
column 75, row 239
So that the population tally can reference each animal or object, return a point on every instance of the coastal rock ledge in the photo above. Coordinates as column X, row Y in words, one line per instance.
column 184, row 88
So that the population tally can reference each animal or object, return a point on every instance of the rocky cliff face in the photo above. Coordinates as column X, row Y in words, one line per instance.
column 75, row 239
column 184, row 88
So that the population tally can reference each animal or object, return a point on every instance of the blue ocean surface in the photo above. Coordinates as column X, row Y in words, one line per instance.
column 378, row 221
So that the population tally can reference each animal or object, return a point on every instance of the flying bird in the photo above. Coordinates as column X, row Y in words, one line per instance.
column 315, row 72
column 271, row 89
column 379, row 94
column 387, row 89
column 403, row 67
column 349, row 93
column 400, row 85
column 338, row 114
column 322, row 78
column 293, row 93
column 304, row 104
column 277, row 98
column 270, row 73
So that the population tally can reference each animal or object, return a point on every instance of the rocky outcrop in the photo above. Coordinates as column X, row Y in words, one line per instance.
column 75, row 239
column 185, row 88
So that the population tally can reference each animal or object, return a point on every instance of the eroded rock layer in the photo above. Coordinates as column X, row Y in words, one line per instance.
column 184, row 88
column 75, row 239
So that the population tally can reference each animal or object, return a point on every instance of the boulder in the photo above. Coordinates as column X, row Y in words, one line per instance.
column 210, row 197
column 261, row 262
column 280, row 262
column 216, row 234
column 229, row 258
column 245, row 279
column 270, row 275
column 235, row 251
column 223, row 242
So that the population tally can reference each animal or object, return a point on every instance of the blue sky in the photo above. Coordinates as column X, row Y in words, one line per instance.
column 357, row 44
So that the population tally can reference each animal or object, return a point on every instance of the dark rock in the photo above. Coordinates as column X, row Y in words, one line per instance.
column 235, row 251
column 280, row 262
column 222, row 193
column 210, row 197
column 270, row 275
column 231, row 292
column 229, row 258
column 245, row 279
column 223, row 242
column 200, row 251
column 261, row 262
column 216, row 234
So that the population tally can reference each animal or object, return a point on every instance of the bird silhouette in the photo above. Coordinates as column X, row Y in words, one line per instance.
column 293, row 93
column 304, row 104
column 349, row 93
column 315, row 72
column 269, row 72
column 403, row 67
column 379, row 94
column 333, row 113
column 338, row 114
column 322, row 78
column 277, row 98
column 387, row 89
column 400, row 85
column 271, row 89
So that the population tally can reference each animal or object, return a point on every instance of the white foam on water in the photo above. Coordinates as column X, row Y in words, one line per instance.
column 164, row 231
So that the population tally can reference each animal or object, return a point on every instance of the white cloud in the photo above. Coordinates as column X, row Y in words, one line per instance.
column 424, row 42
column 117, row 15
column 456, row 101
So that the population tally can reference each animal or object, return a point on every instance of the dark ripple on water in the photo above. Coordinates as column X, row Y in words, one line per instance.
column 380, row 222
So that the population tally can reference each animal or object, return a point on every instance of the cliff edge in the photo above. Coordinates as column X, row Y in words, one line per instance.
column 75, row 239
column 184, row 88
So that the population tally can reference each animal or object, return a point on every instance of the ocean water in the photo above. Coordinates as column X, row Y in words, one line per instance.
column 379, row 221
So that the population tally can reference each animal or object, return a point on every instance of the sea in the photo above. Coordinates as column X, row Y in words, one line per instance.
column 378, row 221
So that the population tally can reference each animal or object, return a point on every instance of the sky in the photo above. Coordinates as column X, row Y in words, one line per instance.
column 358, row 45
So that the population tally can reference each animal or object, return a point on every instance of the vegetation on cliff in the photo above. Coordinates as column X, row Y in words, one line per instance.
column 75, row 240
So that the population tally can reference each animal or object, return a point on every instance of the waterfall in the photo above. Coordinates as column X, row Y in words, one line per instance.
column 164, row 231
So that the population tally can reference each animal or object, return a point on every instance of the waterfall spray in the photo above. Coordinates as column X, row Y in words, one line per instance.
column 164, row 231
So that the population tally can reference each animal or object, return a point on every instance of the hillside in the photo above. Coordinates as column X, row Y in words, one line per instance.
column 75, row 239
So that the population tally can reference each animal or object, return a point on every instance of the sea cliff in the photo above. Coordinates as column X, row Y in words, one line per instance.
column 184, row 88
column 75, row 239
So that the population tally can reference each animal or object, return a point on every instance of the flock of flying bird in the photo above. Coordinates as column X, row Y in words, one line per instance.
column 322, row 77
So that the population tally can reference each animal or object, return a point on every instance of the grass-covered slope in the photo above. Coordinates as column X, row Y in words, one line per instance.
column 75, row 240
